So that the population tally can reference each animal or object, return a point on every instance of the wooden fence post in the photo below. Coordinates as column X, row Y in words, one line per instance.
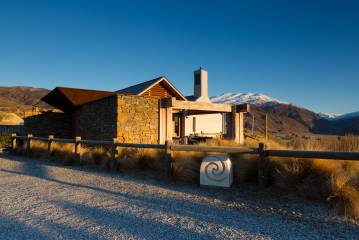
column 49, row 146
column 114, row 149
column 78, row 149
column 28, row 143
column 266, row 127
column 262, row 166
column 13, row 141
column 168, row 160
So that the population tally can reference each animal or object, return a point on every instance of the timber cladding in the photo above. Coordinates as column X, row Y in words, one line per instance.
column 138, row 119
column 158, row 91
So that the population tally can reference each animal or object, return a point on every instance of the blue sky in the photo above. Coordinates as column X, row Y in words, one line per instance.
column 304, row 52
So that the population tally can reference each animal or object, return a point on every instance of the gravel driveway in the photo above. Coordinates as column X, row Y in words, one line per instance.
column 42, row 200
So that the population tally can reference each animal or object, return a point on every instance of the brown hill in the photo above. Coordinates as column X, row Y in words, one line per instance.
column 14, row 99
column 10, row 119
column 282, row 119
column 337, row 127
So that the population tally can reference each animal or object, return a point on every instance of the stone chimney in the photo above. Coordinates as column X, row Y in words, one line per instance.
column 201, row 85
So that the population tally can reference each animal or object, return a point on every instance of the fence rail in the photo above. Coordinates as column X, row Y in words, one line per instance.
column 314, row 154
column 169, row 148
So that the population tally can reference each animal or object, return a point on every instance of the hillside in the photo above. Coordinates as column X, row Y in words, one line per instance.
column 282, row 119
column 14, row 99
column 10, row 119
column 285, row 118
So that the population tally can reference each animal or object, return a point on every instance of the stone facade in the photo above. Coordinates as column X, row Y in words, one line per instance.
column 129, row 118
column 49, row 123
column 97, row 120
column 138, row 119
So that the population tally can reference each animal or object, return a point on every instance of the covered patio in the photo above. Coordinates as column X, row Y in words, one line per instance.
column 234, row 123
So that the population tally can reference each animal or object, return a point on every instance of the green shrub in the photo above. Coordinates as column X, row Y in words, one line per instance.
column 5, row 140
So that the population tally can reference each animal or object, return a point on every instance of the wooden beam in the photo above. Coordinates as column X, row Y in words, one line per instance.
column 161, row 124
column 235, row 125
column 199, row 106
column 243, row 108
column 241, row 127
column 214, row 149
column 314, row 154
column 167, row 102
column 169, row 124
column 183, row 128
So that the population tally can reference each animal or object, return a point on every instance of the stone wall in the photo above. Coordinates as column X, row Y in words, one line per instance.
column 49, row 123
column 138, row 119
column 97, row 120
column 130, row 119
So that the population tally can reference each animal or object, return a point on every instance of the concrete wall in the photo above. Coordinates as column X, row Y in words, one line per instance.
column 138, row 119
column 206, row 123
column 96, row 120
column 49, row 123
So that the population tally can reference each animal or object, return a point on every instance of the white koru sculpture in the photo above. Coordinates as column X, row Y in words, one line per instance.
column 216, row 170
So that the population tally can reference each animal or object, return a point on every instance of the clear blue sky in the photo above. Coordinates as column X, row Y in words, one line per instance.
column 304, row 52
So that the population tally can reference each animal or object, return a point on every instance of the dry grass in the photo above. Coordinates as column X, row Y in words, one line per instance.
column 186, row 166
column 334, row 181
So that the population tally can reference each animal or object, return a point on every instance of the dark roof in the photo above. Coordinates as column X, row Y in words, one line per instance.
column 138, row 88
column 69, row 99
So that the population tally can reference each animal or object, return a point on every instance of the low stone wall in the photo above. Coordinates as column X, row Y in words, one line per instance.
column 97, row 120
column 137, row 119
column 49, row 123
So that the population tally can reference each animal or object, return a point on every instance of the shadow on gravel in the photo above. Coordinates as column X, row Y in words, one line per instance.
column 201, row 213
column 142, row 177
column 198, row 212
column 136, row 225
column 12, row 229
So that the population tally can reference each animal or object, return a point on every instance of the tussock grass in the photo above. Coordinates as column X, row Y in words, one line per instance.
column 336, row 182
column 94, row 155
column 186, row 166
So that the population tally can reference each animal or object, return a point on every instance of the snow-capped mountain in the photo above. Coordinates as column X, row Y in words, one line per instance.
column 262, row 99
column 329, row 116
column 346, row 116
column 337, row 116
column 251, row 98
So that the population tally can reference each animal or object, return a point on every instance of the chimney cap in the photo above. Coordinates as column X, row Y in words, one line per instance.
column 201, row 68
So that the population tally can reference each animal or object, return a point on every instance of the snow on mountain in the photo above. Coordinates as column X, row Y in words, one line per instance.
column 336, row 116
column 329, row 116
column 261, row 99
column 251, row 98
column 348, row 115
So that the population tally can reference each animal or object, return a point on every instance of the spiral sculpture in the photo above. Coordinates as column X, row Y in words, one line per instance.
column 216, row 169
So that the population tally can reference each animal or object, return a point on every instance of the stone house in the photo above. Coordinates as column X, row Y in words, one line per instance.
column 150, row 112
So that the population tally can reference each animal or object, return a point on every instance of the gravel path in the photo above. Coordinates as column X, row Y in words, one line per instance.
column 42, row 200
